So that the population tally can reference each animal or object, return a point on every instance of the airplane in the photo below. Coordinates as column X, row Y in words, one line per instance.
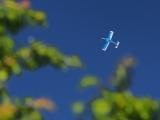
column 109, row 40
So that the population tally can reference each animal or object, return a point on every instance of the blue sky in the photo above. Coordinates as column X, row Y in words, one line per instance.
column 75, row 27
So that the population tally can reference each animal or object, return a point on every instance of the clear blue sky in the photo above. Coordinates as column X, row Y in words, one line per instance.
column 76, row 26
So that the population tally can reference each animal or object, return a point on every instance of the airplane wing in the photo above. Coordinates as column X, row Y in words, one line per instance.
column 105, row 46
column 110, row 35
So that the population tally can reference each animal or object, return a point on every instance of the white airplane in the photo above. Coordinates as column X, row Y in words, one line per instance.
column 109, row 40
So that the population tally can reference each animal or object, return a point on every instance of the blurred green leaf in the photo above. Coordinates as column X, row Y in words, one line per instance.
column 78, row 107
column 100, row 107
column 88, row 81
column 3, row 75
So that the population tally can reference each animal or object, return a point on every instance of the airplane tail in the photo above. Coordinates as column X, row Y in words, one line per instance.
column 117, row 45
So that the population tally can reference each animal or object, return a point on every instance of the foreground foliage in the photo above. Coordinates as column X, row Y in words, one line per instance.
column 116, row 102
column 14, row 17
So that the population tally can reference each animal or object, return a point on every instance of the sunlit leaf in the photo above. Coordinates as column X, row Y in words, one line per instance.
column 78, row 107
column 88, row 81
column 3, row 75
column 100, row 107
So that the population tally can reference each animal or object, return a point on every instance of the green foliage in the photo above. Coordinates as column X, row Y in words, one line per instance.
column 116, row 102
column 122, row 77
column 88, row 81
column 14, row 17
column 100, row 107
column 78, row 107
column 123, row 106
column 12, row 61
column 38, row 55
